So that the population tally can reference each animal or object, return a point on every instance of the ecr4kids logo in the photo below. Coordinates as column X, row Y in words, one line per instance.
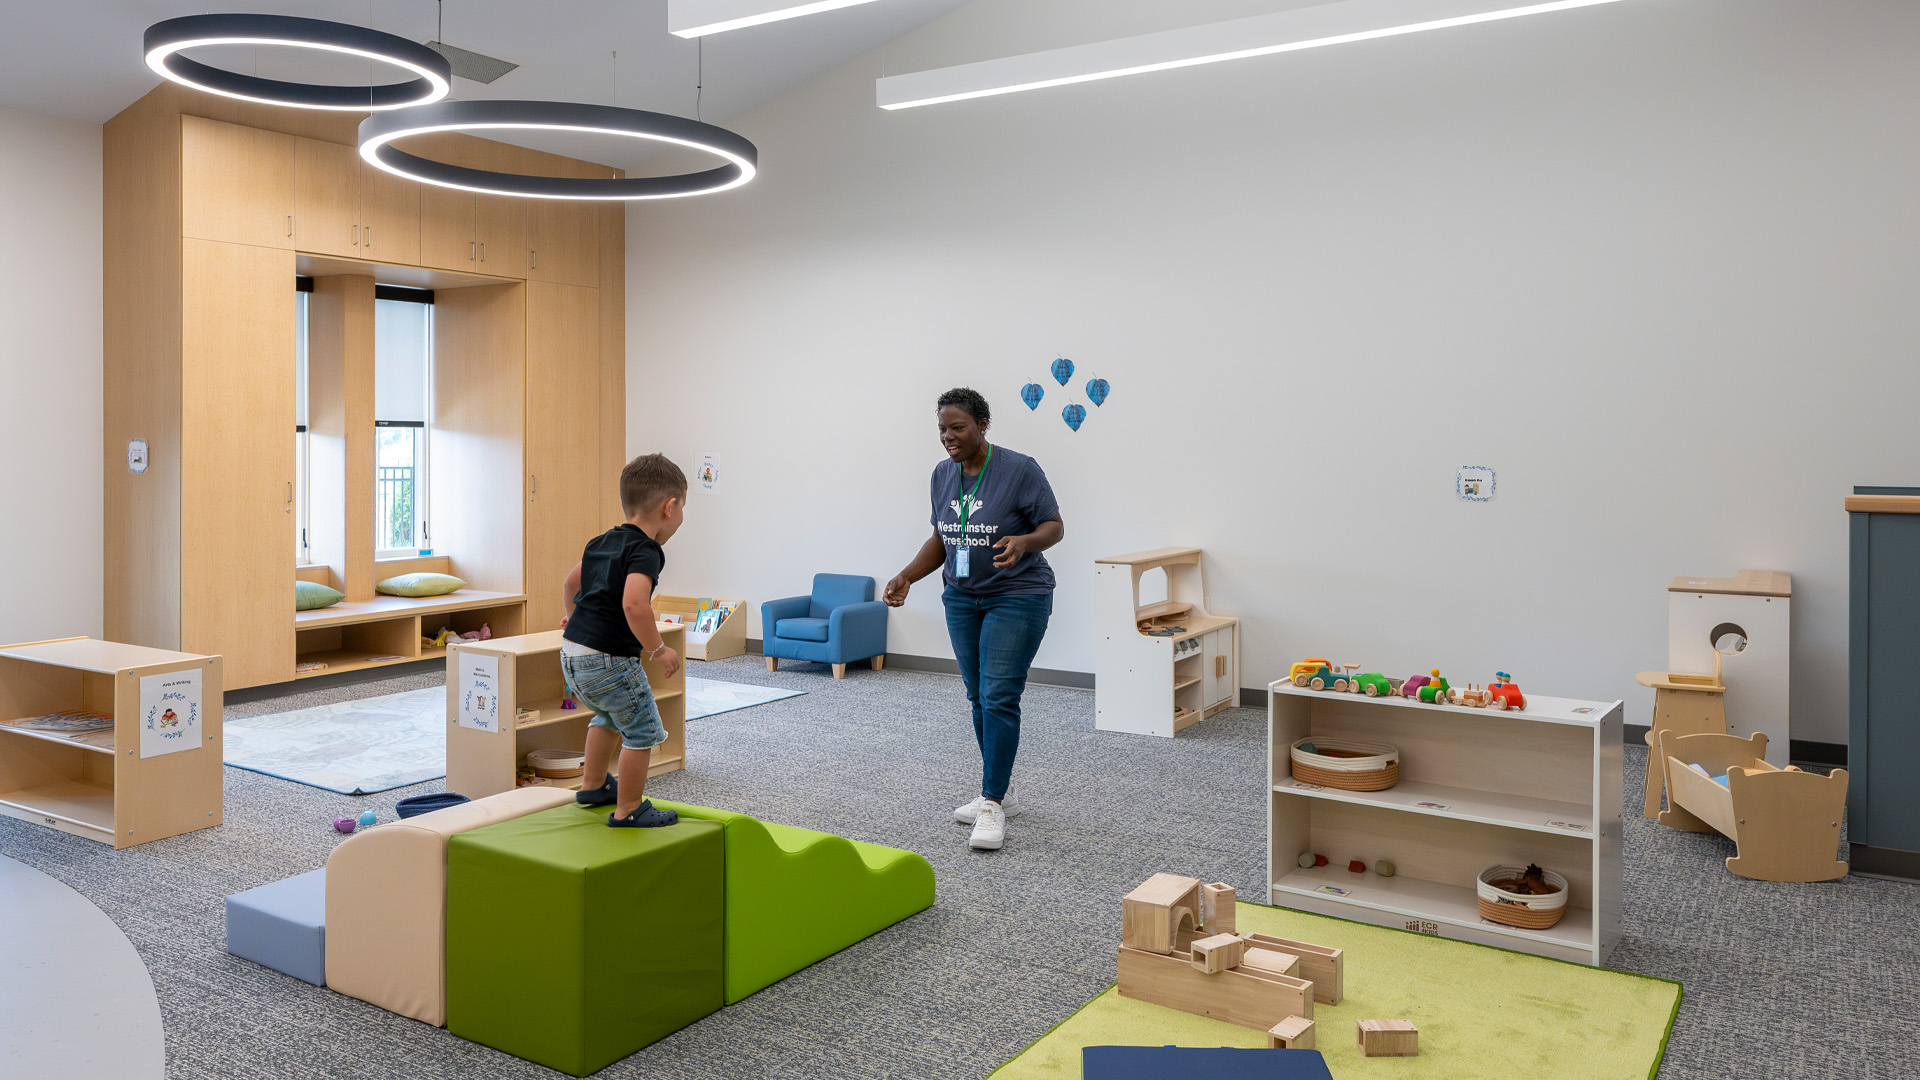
column 165, row 719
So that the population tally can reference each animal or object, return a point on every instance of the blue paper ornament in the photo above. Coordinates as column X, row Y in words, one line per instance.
column 1032, row 393
column 1062, row 370
column 1097, row 390
column 1074, row 415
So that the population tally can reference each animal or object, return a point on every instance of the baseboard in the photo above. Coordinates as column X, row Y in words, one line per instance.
column 247, row 695
column 1832, row 755
column 1883, row 862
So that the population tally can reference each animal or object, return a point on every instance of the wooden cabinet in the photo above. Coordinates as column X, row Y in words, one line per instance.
column 326, row 198
column 562, row 440
column 563, row 241
column 500, row 228
column 485, row 234
column 389, row 217
column 236, row 458
column 236, row 183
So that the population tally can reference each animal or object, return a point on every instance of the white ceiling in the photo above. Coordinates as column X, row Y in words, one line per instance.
column 81, row 58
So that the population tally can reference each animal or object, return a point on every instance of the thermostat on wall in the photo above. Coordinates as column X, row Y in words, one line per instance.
column 136, row 455
column 1474, row 483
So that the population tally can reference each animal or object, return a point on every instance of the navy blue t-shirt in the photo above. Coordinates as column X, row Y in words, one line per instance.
column 1013, row 499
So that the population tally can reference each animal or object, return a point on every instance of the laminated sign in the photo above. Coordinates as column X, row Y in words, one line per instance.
column 479, row 691
column 170, row 713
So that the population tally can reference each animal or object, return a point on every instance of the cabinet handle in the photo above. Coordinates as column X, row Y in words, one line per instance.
column 289, row 496
column 289, row 224
column 1219, row 667
column 536, row 484
column 483, row 253
column 470, row 250
column 356, row 236
column 369, row 232
column 533, row 260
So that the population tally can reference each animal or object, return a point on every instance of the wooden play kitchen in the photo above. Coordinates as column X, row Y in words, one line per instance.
column 152, row 770
column 487, row 746
column 1166, row 664
column 1471, row 791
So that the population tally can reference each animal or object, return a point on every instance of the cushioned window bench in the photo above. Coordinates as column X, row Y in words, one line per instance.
column 350, row 636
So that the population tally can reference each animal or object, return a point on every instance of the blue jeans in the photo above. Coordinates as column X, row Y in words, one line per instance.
column 616, row 689
column 994, row 640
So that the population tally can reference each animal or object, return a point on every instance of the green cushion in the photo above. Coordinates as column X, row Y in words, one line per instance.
column 796, row 896
column 572, row 944
column 311, row 596
column 420, row 585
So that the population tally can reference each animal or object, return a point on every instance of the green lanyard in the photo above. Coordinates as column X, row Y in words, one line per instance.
column 966, row 497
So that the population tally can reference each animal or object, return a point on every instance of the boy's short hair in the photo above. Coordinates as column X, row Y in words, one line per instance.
column 648, row 479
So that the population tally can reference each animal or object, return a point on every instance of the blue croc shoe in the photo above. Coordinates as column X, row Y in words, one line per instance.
column 647, row 816
column 603, row 795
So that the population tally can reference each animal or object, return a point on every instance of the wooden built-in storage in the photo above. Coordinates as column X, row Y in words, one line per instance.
column 212, row 206
column 481, row 763
column 1477, row 788
column 1163, row 665
column 104, row 787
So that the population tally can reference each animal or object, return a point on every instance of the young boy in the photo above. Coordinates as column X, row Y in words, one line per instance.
column 609, row 626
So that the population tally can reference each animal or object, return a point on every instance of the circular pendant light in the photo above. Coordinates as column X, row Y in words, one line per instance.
column 377, row 134
column 166, row 40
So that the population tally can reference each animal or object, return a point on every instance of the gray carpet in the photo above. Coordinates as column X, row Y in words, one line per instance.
column 1781, row 981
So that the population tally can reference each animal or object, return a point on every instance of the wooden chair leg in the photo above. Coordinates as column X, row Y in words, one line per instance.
column 877, row 661
column 839, row 671
column 773, row 663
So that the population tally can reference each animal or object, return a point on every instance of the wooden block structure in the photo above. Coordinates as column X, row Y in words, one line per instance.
column 1152, row 915
column 1216, row 908
column 1244, row 996
column 1270, row 960
column 1221, row 952
column 1324, row 967
column 1293, row 1033
column 1388, row 1038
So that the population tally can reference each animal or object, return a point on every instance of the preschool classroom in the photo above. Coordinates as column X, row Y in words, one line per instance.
column 1032, row 539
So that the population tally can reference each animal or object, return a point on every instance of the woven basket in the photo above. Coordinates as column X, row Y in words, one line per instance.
column 557, row 764
column 1513, row 909
column 1375, row 768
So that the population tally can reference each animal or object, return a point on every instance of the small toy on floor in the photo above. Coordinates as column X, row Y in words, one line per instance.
column 1388, row 1038
column 345, row 824
column 368, row 818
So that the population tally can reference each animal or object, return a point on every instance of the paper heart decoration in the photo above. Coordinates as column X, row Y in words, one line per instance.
column 1097, row 390
column 1062, row 370
column 1074, row 415
column 1032, row 393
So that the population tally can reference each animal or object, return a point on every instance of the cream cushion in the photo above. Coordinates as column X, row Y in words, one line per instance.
column 387, row 903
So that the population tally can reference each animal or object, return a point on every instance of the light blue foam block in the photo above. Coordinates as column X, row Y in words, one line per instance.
column 283, row 925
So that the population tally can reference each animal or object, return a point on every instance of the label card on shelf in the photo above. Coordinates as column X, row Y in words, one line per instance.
column 170, row 713
column 479, row 691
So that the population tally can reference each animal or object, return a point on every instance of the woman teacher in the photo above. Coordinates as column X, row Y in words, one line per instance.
column 993, row 514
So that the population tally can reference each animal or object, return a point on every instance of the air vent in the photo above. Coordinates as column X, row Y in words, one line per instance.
column 467, row 64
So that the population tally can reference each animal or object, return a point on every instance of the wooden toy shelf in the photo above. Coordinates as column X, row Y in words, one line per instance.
column 1160, row 683
column 349, row 636
column 481, row 763
column 100, row 786
column 1478, row 788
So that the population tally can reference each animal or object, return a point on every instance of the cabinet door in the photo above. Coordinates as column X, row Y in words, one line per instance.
column 446, row 228
column 236, row 183
column 1218, row 675
column 326, row 197
column 389, row 217
column 562, row 441
column 500, row 226
column 237, row 458
column 563, row 241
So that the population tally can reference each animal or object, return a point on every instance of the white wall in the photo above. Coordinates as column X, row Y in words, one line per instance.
column 1654, row 262
column 50, row 514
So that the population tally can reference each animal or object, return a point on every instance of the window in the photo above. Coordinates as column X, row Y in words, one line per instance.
column 402, row 395
column 302, row 553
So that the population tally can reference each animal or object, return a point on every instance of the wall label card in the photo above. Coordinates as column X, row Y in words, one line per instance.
column 479, row 691
column 1474, row 483
column 170, row 713
column 706, row 475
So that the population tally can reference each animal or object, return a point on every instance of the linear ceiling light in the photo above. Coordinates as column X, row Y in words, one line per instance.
column 165, row 41
column 1213, row 43
column 698, row 18
column 378, row 132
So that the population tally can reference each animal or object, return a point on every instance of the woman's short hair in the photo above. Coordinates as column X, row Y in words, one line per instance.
column 968, row 401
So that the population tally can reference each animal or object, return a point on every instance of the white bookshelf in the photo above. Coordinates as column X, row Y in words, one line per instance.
column 1478, row 787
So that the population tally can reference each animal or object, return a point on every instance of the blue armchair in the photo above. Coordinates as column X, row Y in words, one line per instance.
column 839, row 624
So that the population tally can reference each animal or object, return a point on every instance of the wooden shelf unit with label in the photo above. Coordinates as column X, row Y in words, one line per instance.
column 102, row 788
column 481, row 763
column 1477, row 788
column 1156, row 683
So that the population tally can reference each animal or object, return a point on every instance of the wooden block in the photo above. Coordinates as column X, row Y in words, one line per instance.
column 1151, row 915
column 1388, row 1038
column 1220, row 952
column 1254, row 999
column 1293, row 1033
column 1322, row 966
column 1271, row 960
column 1217, row 908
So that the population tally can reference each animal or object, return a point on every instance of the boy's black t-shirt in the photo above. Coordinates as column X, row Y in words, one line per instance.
column 599, row 617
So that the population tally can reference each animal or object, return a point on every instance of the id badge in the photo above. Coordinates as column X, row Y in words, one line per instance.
column 960, row 561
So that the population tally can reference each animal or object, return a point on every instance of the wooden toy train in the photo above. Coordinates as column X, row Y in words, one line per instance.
column 1432, row 688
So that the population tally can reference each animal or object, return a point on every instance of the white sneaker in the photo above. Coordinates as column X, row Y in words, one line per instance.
column 965, row 815
column 989, row 828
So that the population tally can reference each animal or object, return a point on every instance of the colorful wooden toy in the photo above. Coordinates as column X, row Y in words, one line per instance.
column 1355, row 866
column 1305, row 668
column 1472, row 696
column 1322, row 678
column 1411, row 686
column 1431, row 690
column 1505, row 694
column 1372, row 684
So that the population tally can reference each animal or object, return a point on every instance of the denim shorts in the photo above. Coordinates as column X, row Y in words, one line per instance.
column 616, row 689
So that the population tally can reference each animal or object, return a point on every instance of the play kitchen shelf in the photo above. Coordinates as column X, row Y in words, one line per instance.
column 525, row 671
column 111, row 785
column 1477, row 788
column 1167, row 664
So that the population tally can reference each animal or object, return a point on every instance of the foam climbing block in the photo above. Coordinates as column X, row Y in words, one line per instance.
column 283, row 925
column 796, row 896
column 572, row 945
